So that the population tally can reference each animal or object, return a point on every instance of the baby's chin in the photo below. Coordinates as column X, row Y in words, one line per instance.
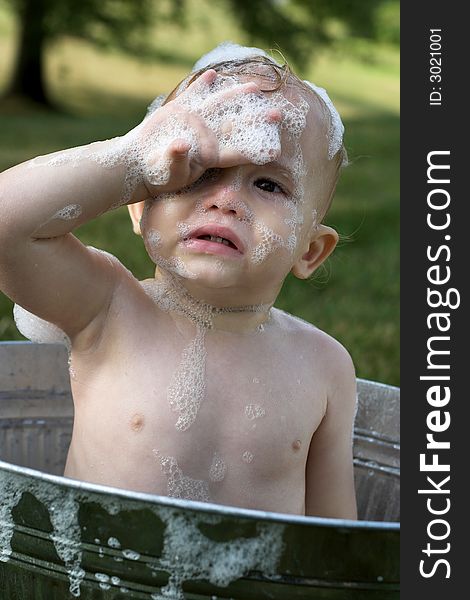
column 212, row 272
column 247, row 284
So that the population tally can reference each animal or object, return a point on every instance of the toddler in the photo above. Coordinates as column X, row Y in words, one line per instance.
column 191, row 384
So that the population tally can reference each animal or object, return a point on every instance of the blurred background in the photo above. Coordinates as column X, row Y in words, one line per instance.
column 75, row 72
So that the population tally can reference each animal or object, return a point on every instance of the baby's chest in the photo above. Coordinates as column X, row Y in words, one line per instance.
column 205, row 399
column 257, row 418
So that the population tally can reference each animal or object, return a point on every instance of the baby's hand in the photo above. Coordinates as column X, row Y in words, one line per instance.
column 203, row 129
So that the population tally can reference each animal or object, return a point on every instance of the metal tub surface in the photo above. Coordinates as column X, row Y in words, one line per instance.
column 61, row 538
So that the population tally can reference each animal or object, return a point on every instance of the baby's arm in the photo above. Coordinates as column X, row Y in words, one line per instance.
column 46, row 269
column 43, row 267
column 329, row 475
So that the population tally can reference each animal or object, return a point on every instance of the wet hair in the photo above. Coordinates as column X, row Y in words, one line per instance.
column 273, row 77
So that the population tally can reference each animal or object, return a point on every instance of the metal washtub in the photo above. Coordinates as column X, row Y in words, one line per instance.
column 61, row 538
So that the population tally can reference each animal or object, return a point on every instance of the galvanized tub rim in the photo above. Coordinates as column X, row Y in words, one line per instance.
column 206, row 507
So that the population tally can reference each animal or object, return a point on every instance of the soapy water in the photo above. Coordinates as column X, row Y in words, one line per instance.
column 254, row 411
column 130, row 554
column 239, row 121
column 187, row 389
column 228, row 51
column 38, row 330
column 187, row 552
column 180, row 485
column 336, row 127
column 247, row 457
column 269, row 242
column 62, row 505
column 217, row 469
column 72, row 211
column 68, row 213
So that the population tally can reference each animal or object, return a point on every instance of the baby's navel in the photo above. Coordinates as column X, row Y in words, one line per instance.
column 296, row 445
column 137, row 422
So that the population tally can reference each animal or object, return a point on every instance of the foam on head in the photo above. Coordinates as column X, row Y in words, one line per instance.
column 255, row 137
column 142, row 150
column 228, row 51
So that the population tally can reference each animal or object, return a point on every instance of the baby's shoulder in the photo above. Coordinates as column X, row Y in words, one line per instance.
column 315, row 345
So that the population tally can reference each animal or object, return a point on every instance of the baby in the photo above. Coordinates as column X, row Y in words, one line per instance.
column 191, row 384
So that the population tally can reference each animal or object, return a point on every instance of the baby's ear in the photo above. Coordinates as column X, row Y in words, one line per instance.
column 135, row 212
column 321, row 245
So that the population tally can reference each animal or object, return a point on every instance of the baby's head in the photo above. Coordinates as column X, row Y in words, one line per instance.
column 294, row 164
column 322, row 130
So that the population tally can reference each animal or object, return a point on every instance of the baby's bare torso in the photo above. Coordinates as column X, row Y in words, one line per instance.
column 166, row 408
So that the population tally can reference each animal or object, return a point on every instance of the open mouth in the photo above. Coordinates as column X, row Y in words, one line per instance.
column 218, row 240
column 214, row 238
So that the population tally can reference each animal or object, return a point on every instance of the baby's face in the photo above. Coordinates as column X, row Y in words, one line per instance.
column 243, row 227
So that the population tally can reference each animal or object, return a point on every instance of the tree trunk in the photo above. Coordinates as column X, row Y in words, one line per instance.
column 28, row 73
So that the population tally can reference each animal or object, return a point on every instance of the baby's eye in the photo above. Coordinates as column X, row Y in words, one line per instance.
column 268, row 185
column 209, row 176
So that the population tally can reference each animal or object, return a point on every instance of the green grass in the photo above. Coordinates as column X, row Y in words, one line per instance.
column 355, row 297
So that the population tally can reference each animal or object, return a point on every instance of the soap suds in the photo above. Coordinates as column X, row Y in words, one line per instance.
column 254, row 411
column 10, row 496
column 247, row 456
column 187, row 551
column 38, row 330
column 62, row 504
column 70, row 212
column 217, row 469
column 180, row 485
column 228, row 51
column 130, row 554
column 187, row 389
column 189, row 554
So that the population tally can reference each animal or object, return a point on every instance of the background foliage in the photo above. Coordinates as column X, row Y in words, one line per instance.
column 102, row 92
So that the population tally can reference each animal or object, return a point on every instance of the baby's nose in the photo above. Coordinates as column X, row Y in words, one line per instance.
column 226, row 199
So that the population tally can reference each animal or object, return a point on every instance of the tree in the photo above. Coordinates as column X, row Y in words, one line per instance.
column 295, row 25
column 103, row 22
column 298, row 26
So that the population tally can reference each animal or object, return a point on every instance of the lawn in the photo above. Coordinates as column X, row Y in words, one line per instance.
column 356, row 296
